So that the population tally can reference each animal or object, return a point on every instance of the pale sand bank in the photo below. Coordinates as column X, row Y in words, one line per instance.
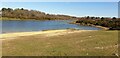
column 44, row 33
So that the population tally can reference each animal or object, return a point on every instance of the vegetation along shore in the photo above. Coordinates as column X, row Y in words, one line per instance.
column 25, row 14
column 105, row 23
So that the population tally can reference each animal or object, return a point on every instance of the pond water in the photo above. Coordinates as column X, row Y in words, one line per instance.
column 38, row 25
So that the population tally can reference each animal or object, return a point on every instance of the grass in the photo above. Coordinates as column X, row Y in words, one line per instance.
column 91, row 43
column 6, row 18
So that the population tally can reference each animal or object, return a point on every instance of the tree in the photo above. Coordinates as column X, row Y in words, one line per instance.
column 87, row 17
column 3, row 9
column 92, row 17
column 9, row 9
column 22, row 9
column 114, row 18
column 102, row 18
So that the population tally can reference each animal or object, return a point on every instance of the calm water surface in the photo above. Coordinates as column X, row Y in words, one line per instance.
column 35, row 25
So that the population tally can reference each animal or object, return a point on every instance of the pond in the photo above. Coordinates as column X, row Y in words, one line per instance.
column 9, row 26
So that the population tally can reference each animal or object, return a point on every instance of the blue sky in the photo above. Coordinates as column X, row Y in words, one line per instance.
column 59, row 0
column 106, row 9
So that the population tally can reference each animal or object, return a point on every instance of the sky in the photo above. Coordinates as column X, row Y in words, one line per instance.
column 79, row 9
column 59, row 0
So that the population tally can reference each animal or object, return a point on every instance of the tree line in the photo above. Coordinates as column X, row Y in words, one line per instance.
column 31, row 14
column 111, row 23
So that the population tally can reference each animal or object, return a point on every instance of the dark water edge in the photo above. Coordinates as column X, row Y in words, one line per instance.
column 10, row 26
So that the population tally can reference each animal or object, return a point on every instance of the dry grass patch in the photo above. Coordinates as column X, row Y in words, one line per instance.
column 90, row 43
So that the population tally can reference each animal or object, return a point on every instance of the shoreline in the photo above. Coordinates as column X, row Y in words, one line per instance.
column 97, row 26
column 44, row 33
column 102, row 28
column 21, row 19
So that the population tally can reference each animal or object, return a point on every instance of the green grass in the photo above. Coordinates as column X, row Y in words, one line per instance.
column 77, row 44
column 6, row 18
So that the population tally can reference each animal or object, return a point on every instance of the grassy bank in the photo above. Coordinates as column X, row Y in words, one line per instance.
column 6, row 18
column 90, row 43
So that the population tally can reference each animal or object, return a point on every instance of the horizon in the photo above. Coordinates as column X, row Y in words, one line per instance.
column 77, row 9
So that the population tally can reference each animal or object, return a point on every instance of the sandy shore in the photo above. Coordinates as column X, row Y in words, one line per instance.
column 102, row 27
column 44, row 33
